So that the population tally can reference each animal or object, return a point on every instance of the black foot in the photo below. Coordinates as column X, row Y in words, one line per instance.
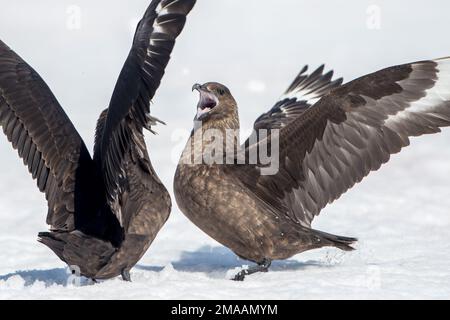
column 261, row 267
column 126, row 275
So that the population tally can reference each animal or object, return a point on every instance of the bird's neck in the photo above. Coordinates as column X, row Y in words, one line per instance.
column 212, row 141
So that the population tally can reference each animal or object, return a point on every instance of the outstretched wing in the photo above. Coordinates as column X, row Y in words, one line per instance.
column 351, row 132
column 129, row 109
column 46, row 140
column 306, row 90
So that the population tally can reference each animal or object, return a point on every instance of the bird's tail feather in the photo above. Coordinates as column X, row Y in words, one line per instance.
column 343, row 243
column 53, row 242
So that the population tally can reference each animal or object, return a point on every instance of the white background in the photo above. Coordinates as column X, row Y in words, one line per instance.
column 256, row 47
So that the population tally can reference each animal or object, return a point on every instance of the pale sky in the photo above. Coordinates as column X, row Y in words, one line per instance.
column 255, row 47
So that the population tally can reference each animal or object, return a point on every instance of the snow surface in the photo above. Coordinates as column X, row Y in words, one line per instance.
column 400, row 214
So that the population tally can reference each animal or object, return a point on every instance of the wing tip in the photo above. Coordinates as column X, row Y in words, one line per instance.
column 443, row 59
column 318, row 81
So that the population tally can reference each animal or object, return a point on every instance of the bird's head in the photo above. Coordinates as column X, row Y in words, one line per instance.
column 215, row 103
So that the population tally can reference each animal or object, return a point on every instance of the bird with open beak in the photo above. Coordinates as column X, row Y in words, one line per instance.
column 330, row 136
column 216, row 102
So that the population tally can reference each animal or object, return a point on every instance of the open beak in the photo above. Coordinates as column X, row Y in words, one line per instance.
column 197, row 87
column 207, row 101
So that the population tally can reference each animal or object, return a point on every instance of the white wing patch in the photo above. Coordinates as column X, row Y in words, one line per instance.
column 311, row 87
column 434, row 97
column 161, row 10
column 302, row 95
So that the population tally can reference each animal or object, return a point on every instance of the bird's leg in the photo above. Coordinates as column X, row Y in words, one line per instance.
column 126, row 275
column 261, row 267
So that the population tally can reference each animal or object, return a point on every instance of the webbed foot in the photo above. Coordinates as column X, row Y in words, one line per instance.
column 261, row 267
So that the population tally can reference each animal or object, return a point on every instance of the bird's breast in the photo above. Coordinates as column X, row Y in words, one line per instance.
column 220, row 206
column 195, row 186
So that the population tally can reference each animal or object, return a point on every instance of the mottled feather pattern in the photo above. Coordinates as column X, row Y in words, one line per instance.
column 324, row 150
column 352, row 131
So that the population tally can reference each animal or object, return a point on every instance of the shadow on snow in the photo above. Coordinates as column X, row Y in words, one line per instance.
column 50, row 277
column 214, row 261
column 217, row 261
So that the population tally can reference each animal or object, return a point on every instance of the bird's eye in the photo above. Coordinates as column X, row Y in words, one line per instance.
column 220, row 91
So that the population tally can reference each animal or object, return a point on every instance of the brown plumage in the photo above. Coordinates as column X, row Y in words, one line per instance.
column 330, row 137
column 104, row 211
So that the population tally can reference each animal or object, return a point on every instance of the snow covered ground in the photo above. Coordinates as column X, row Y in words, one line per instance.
column 400, row 213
